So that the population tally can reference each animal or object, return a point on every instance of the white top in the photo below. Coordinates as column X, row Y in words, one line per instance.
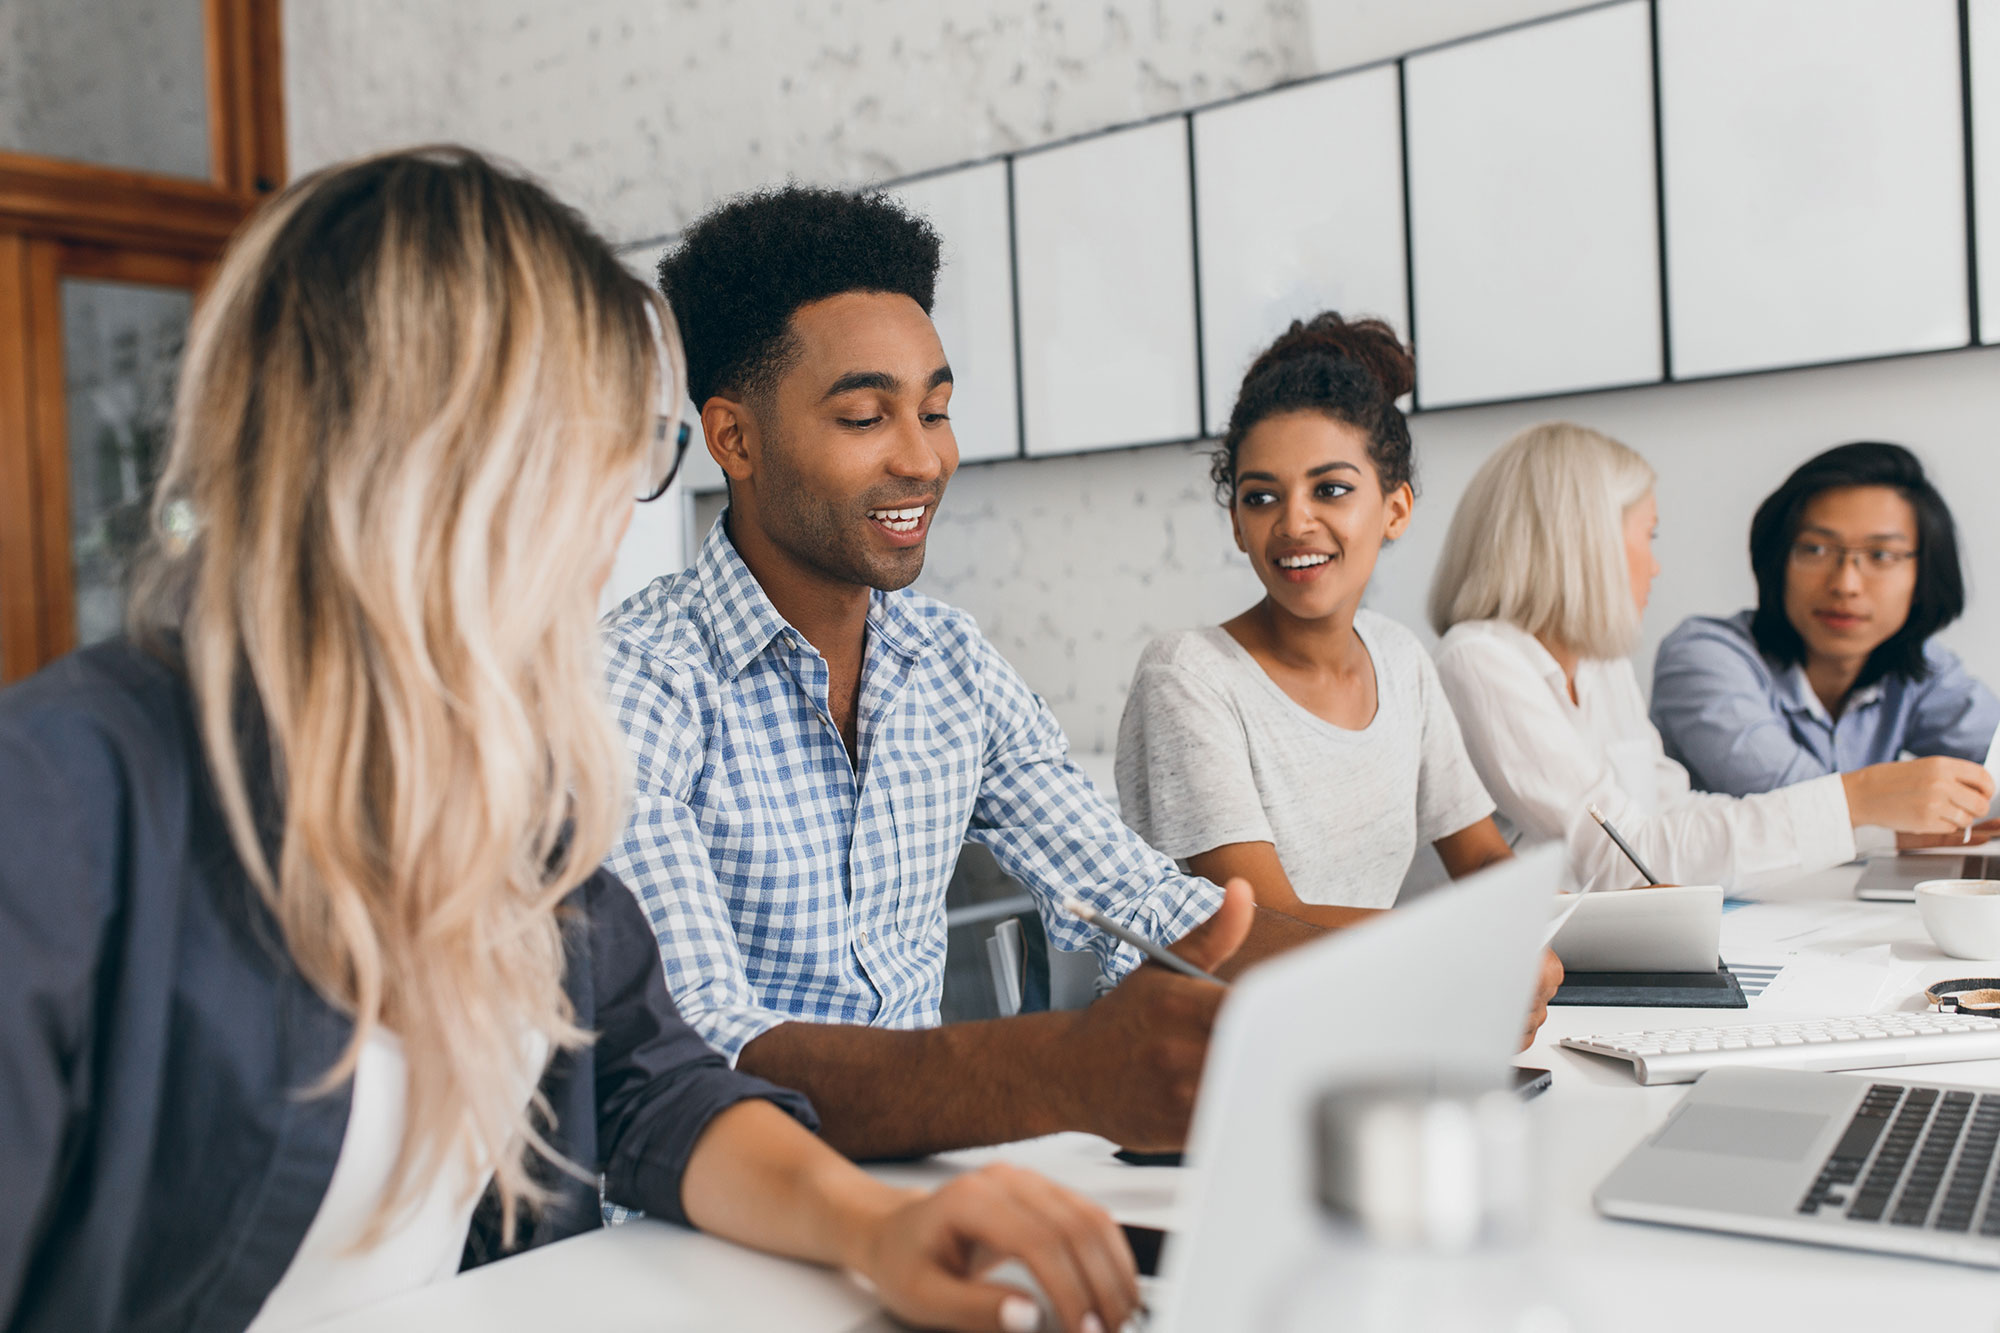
column 1212, row 751
column 327, row 1277
column 1545, row 759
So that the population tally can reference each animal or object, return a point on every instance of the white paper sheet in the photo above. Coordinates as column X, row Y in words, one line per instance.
column 1866, row 981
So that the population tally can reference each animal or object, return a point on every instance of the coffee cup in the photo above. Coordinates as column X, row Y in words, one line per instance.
column 1962, row 915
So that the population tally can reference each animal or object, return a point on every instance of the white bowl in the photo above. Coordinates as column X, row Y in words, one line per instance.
column 1962, row 915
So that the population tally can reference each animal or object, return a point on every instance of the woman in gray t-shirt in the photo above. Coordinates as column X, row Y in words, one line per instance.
column 1306, row 745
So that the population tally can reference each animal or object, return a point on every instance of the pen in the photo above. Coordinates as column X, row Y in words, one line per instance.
column 1089, row 915
column 1623, row 846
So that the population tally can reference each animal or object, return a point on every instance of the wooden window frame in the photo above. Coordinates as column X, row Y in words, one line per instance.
column 62, row 219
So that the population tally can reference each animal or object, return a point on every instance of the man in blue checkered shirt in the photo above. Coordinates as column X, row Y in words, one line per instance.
column 815, row 742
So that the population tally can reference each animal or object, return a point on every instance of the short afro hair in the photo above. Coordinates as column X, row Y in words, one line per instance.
column 744, row 267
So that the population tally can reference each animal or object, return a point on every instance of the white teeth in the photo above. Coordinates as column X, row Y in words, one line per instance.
column 899, row 520
column 1302, row 561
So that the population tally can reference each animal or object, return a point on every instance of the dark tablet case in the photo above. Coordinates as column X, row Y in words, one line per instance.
column 1653, row 990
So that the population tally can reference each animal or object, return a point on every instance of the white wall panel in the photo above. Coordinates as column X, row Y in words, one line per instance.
column 1815, row 181
column 1299, row 208
column 1103, row 231
column 974, row 310
column 1534, row 217
column 1983, row 41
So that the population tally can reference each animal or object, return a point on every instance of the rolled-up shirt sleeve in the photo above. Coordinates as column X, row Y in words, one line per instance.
column 1050, row 828
column 1545, row 776
column 665, row 861
column 1712, row 704
column 659, row 1085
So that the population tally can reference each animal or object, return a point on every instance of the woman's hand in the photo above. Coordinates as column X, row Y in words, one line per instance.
column 925, row 1256
column 758, row 1177
column 1934, row 795
column 1545, row 990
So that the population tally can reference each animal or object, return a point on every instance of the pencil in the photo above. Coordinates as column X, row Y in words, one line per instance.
column 1089, row 915
column 1623, row 846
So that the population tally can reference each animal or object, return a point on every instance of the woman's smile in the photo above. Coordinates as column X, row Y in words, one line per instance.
column 1302, row 566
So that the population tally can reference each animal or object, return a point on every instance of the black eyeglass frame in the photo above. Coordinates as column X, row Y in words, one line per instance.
column 680, row 452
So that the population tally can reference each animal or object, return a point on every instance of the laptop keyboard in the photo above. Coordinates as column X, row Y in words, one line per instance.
column 1915, row 1157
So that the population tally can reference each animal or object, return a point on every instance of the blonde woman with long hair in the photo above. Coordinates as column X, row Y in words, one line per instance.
column 1545, row 574
column 310, row 982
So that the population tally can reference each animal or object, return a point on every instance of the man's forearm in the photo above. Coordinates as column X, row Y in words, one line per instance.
column 885, row 1093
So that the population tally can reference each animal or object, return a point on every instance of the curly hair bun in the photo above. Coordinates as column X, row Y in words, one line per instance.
column 1350, row 370
column 1368, row 343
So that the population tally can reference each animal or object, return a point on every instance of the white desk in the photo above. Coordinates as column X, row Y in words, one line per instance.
column 1615, row 1275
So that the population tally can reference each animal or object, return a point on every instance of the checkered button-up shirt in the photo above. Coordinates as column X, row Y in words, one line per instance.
column 786, row 882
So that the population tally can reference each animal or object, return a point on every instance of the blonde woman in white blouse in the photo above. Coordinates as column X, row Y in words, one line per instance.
column 1545, row 573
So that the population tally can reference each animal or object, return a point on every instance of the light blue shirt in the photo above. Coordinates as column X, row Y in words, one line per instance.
column 1742, row 725
column 784, row 881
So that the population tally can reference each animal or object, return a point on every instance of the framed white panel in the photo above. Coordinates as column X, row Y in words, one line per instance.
column 1299, row 209
column 1104, row 243
column 1815, row 181
column 1983, row 41
column 974, row 310
column 1534, row 218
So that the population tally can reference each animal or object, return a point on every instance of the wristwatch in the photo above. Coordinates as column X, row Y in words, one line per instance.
column 1967, row 995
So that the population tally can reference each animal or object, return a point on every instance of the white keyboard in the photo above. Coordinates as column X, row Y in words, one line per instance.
column 1871, row 1041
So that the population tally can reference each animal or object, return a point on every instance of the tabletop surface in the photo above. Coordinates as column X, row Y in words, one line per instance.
column 1835, row 955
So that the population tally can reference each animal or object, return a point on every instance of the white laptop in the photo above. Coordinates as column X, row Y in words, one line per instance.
column 1874, row 1161
column 1357, row 1006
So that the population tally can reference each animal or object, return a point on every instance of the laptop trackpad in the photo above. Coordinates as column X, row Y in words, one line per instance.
column 1742, row 1131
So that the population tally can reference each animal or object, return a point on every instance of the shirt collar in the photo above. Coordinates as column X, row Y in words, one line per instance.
column 1798, row 695
column 741, row 622
column 893, row 618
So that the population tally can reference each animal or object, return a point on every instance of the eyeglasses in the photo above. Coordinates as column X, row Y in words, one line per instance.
column 1871, row 560
column 663, row 460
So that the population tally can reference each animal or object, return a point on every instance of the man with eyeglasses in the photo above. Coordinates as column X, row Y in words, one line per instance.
column 1837, row 670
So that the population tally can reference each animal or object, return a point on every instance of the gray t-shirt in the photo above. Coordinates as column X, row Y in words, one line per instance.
column 1212, row 751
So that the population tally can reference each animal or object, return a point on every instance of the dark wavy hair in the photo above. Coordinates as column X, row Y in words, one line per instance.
column 1351, row 371
column 1939, row 597
column 745, row 266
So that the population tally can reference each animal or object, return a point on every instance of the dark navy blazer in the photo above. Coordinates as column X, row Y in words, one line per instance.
column 158, row 1163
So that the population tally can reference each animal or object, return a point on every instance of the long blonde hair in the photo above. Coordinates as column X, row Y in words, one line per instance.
column 412, row 408
column 1538, row 541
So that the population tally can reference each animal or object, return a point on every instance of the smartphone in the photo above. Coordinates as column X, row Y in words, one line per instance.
column 1531, row 1083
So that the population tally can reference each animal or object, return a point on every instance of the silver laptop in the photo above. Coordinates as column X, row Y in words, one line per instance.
column 1894, row 879
column 1866, row 1162
column 1346, row 1008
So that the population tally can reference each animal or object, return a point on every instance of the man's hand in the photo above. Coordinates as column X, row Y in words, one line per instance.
column 1132, row 1061
column 1545, row 990
column 1937, row 794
